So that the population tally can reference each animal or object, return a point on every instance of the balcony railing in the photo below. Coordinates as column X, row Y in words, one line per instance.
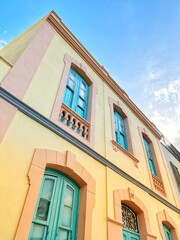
column 158, row 184
column 74, row 122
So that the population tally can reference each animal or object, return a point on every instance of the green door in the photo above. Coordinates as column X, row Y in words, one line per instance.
column 130, row 235
column 167, row 232
column 130, row 223
column 56, row 213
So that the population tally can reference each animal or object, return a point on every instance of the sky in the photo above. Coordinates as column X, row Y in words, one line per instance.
column 137, row 41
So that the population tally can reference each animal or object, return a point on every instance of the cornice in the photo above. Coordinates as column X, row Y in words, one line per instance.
column 47, row 123
column 67, row 35
column 6, row 61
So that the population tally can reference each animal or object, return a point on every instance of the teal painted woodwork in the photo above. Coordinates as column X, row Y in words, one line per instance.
column 150, row 157
column 129, row 235
column 167, row 232
column 130, row 221
column 76, row 95
column 120, row 131
column 57, row 208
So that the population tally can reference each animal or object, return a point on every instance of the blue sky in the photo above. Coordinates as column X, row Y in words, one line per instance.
column 138, row 42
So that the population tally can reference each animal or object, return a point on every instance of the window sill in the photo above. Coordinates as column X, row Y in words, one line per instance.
column 117, row 146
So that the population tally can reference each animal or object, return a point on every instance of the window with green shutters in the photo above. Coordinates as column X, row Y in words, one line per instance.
column 120, row 131
column 56, row 213
column 167, row 232
column 150, row 156
column 77, row 94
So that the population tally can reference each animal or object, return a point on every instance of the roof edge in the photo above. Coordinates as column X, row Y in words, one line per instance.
column 67, row 35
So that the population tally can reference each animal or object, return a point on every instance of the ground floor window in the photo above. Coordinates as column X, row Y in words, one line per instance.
column 167, row 232
column 130, row 223
column 57, row 208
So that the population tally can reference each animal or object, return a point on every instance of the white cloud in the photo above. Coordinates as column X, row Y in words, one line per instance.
column 172, row 92
column 169, row 126
column 3, row 43
column 161, row 94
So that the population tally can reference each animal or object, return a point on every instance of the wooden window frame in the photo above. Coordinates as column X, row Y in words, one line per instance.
column 67, row 164
column 82, row 70
column 127, row 122
column 118, row 117
column 156, row 181
column 57, row 206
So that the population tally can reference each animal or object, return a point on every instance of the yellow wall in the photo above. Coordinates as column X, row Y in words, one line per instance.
column 13, row 50
column 41, row 96
column 25, row 135
column 4, row 69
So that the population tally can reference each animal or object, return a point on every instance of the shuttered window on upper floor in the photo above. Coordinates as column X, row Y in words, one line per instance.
column 120, row 131
column 77, row 94
column 150, row 157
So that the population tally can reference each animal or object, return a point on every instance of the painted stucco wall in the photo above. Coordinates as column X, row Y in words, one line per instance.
column 14, row 49
column 4, row 69
column 25, row 135
column 41, row 95
column 170, row 158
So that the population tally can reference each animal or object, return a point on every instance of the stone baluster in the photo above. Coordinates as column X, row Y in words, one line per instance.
column 71, row 120
column 85, row 132
column 65, row 117
column 81, row 128
column 76, row 125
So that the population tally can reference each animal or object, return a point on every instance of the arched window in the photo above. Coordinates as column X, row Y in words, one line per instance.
column 167, row 232
column 56, row 213
column 130, row 223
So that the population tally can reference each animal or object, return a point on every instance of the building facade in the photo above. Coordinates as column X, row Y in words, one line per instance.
column 172, row 156
column 79, row 160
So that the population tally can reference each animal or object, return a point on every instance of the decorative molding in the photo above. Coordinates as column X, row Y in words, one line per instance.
column 67, row 35
column 129, row 197
column 21, row 74
column 6, row 61
column 33, row 114
column 67, row 164
column 117, row 146
column 153, row 179
column 58, row 104
column 163, row 217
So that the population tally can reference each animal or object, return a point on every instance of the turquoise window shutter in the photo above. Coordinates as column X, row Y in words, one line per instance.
column 56, row 213
column 76, row 95
column 120, row 131
column 167, row 232
column 149, row 156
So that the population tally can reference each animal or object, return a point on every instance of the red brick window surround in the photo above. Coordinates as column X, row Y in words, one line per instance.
column 61, row 109
column 116, row 146
column 156, row 181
